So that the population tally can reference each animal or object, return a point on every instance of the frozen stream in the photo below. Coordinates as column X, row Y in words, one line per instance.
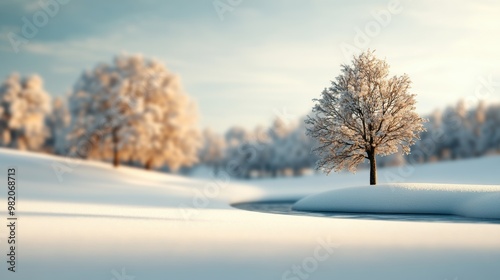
column 285, row 208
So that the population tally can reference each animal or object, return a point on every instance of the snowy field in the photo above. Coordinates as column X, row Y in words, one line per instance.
column 103, row 223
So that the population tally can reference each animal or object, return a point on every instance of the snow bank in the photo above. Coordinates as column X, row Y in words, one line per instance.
column 473, row 201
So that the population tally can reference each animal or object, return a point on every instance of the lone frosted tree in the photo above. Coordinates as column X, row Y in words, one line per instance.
column 364, row 113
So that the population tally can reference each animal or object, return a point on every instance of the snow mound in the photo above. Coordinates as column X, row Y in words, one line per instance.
column 473, row 201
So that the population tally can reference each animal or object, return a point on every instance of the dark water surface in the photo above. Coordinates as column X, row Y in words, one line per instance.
column 285, row 208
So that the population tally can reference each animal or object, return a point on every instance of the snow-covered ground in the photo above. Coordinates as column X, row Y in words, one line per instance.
column 105, row 223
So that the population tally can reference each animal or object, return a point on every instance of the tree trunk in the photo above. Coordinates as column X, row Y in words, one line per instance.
column 373, row 168
column 149, row 164
column 116, row 152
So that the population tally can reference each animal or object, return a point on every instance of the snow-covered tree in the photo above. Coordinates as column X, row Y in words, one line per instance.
column 300, row 156
column 362, row 114
column 134, row 109
column 213, row 151
column 491, row 129
column 240, row 152
column 459, row 138
column 24, row 104
column 58, row 123
column 279, row 132
column 262, row 147
column 478, row 124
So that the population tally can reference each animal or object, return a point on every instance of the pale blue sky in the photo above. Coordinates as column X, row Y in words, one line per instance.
column 264, row 57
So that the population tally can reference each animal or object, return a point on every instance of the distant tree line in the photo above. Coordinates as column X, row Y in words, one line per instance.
column 458, row 133
column 284, row 149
